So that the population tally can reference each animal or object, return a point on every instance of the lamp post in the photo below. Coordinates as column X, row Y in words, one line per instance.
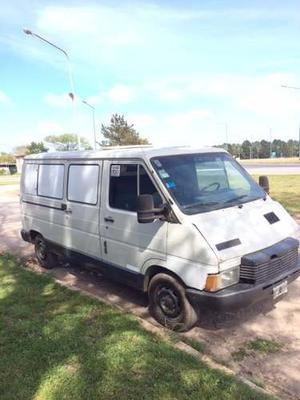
column 70, row 74
column 94, row 123
column 295, row 88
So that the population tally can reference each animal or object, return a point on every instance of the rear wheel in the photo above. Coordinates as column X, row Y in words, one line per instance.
column 46, row 258
column 169, row 305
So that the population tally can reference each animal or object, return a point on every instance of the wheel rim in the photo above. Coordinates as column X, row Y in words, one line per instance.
column 41, row 250
column 168, row 301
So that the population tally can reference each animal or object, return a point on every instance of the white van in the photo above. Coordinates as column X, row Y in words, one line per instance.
column 188, row 226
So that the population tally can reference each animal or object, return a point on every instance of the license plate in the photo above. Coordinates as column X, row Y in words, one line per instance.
column 280, row 289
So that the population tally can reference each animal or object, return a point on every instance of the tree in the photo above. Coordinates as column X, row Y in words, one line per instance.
column 264, row 151
column 20, row 150
column 245, row 149
column 36, row 147
column 67, row 142
column 120, row 133
column 7, row 158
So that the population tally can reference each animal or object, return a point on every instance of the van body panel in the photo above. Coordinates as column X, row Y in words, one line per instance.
column 81, row 227
column 124, row 241
column 247, row 225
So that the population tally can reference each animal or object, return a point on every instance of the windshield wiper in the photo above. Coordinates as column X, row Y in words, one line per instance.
column 236, row 198
column 212, row 203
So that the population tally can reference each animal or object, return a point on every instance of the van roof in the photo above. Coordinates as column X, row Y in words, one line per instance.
column 124, row 152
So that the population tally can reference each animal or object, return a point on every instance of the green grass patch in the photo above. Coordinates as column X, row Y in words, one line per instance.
column 283, row 160
column 10, row 179
column 195, row 344
column 286, row 190
column 257, row 345
column 59, row 344
column 264, row 345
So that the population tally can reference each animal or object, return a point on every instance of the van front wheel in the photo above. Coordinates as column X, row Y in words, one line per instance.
column 169, row 305
column 45, row 258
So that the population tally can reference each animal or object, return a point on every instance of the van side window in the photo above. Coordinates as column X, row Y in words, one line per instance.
column 30, row 179
column 83, row 183
column 123, row 186
column 126, row 182
column 51, row 180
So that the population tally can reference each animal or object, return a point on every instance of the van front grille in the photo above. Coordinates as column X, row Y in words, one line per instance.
column 271, row 269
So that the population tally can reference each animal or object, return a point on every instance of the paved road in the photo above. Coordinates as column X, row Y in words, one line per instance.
column 260, row 169
column 221, row 334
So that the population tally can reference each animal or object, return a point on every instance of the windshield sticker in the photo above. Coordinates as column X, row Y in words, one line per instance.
column 163, row 174
column 157, row 163
column 170, row 185
column 115, row 170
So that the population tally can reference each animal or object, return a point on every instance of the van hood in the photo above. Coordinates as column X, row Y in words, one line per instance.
column 235, row 231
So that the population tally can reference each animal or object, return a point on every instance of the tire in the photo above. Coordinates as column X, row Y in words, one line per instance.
column 169, row 305
column 45, row 258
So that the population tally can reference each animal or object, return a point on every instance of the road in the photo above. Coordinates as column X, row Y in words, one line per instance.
column 273, row 169
column 222, row 334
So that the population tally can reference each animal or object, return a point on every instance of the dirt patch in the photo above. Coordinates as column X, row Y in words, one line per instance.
column 220, row 335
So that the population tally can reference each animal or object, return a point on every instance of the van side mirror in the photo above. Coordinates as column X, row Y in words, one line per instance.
column 264, row 183
column 146, row 212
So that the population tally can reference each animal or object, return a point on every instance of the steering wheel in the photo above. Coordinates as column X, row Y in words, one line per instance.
column 216, row 184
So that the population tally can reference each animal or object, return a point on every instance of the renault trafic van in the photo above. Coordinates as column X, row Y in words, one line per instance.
column 188, row 226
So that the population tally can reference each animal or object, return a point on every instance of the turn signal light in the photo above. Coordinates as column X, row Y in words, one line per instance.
column 212, row 283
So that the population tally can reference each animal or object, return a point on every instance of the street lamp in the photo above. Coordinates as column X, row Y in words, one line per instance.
column 296, row 88
column 71, row 80
column 94, row 123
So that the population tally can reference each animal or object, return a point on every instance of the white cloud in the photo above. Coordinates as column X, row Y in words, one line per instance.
column 3, row 97
column 45, row 128
column 190, row 117
column 121, row 94
column 107, row 25
column 58, row 100
column 142, row 120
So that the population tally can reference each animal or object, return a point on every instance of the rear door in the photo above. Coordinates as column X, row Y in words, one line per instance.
column 81, row 230
column 125, row 242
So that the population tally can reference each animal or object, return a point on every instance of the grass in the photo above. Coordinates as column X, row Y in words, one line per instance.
column 264, row 346
column 59, row 344
column 10, row 179
column 283, row 160
column 286, row 190
column 195, row 344
column 257, row 345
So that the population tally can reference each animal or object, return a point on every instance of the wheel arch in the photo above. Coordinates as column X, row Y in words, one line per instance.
column 157, row 269
column 33, row 234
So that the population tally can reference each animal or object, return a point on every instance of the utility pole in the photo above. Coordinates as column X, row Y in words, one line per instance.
column 94, row 122
column 70, row 74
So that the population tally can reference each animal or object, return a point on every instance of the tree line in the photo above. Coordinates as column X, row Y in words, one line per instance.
column 263, row 149
column 119, row 133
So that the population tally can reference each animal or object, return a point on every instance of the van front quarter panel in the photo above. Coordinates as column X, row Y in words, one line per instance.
column 189, row 256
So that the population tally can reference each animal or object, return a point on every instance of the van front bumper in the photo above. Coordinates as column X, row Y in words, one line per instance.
column 240, row 295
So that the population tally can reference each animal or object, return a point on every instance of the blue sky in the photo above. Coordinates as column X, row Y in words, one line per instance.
column 180, row 71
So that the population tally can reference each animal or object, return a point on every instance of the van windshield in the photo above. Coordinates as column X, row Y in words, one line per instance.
column 205, row 182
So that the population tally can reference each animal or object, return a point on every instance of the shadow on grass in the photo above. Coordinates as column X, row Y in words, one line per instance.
column 57, row 344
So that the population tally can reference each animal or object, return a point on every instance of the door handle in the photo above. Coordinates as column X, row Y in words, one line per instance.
column 109, row 219
column 65, row 209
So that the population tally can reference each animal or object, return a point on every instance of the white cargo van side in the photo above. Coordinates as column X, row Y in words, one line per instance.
column 188, row 226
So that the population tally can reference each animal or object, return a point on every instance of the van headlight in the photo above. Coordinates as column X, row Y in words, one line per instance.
column 215, row 282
